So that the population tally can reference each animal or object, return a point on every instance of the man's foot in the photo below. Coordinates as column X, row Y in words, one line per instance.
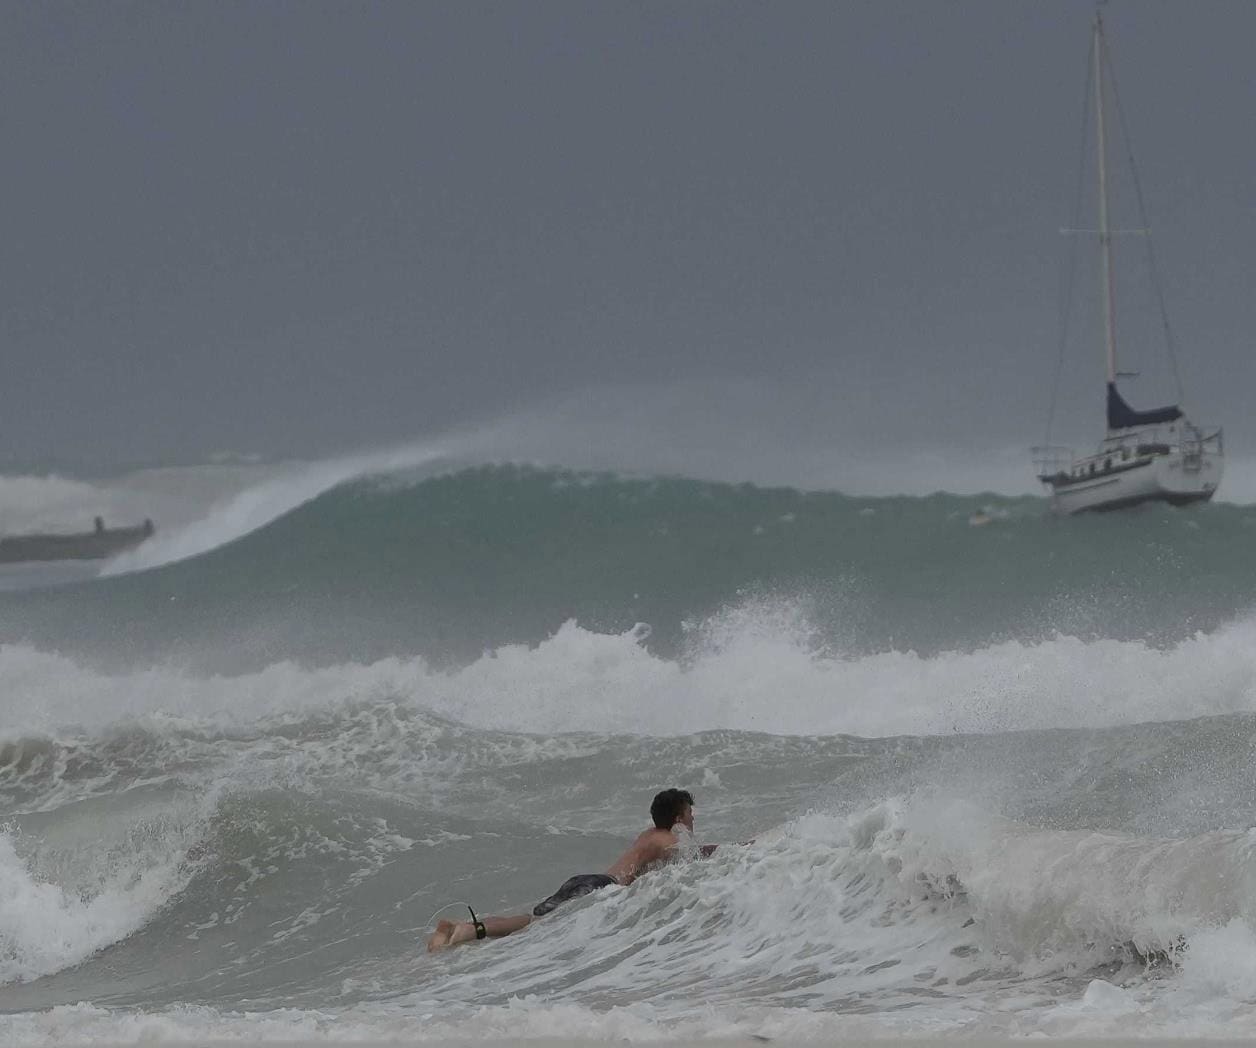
column 449, row 933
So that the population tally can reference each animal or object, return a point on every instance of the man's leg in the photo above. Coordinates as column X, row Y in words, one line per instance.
column 451, row 933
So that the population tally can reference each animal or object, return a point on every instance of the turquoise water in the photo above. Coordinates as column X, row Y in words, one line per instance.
column 451, row 565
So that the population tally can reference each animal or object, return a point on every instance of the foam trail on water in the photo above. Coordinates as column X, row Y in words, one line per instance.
column 248, row 510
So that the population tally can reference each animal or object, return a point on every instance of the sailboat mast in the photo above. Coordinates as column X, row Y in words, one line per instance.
column 1105, row 234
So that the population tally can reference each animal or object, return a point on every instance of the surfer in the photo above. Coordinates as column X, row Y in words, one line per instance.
column 653, row 846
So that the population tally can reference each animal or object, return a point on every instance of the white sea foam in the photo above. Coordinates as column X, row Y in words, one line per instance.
column 520, row 1020
column 1220, row 961
column 764, row 676
column 546, row 1022
column 1040, row 895
column 48, row 923
column 761, row 675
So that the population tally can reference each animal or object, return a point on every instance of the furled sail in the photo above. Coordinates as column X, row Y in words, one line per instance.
column 1122, row 416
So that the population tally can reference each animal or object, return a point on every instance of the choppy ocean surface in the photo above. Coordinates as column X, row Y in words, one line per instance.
column 999, row 766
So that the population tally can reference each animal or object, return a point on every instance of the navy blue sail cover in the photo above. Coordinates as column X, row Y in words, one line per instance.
column 1122, row 416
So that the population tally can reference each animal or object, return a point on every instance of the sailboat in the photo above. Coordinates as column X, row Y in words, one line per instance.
column 1155, row 455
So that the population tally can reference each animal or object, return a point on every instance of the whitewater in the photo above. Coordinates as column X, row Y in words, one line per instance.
column 996, row 766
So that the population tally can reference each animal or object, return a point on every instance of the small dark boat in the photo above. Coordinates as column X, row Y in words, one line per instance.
column 84, row 545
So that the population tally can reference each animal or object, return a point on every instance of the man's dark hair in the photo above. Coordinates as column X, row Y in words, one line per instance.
column 667, row 806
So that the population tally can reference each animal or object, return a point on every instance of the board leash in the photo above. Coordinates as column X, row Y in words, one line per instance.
column 480, row 931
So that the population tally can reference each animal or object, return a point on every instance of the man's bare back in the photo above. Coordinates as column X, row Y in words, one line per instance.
column 651, row 848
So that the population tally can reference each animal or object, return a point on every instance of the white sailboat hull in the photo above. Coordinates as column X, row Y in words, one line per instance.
column 1178, row 478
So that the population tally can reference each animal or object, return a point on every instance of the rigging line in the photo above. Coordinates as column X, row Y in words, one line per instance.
column 1070, row 266
column 1153, row 267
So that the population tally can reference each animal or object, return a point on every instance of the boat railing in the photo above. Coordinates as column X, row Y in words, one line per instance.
column 1196, row 442
column 1210, row 441
column 1050, row 460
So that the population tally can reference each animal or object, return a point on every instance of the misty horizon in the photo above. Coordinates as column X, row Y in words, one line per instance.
column 303, row 231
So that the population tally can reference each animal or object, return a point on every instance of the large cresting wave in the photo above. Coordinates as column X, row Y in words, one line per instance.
column 452, row 564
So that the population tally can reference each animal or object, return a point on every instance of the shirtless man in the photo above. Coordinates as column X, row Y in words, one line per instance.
column 653, row 846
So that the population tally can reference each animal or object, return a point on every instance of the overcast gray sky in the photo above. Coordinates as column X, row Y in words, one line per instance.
column 303, row 228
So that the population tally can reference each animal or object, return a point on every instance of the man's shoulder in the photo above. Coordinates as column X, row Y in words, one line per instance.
column 655, row 837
